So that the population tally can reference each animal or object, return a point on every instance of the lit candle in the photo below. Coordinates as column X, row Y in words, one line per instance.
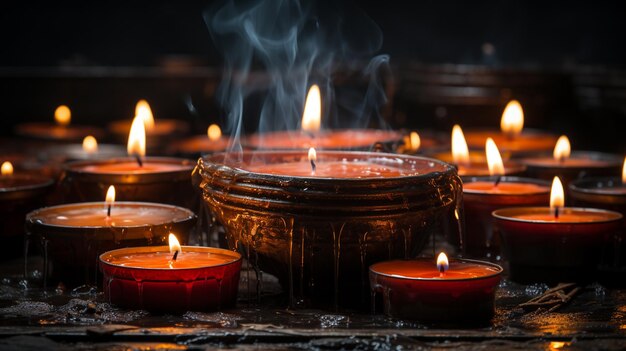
column 89, row 149
column 60, row 131
column 311, row 134
column 198, row 145
column 73, row 235
column 568, row 165
column 455, row 292
column 192, row 278
column 513, row 139
column 554, row 243
column 138, row 178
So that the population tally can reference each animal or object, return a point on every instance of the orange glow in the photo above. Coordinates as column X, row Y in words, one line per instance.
column 174, row 244
column 557, row 345
column 557, row 195
column 311, row 118
column 137, row 138
column 512, row 121
column 7, row 168
column 143, row 110
column 214, row 132
column 442, row 262
column 624, row 172
column 494, row 160
column 110, row 197
column 62, row 115
column 460, row 152
column 90, row 144
column 562, row 149
column 414, row 141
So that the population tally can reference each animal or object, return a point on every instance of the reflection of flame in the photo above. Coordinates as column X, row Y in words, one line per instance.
column 90, row 144
column 624, row 172
column 556, row 345
column 311, row 118
column 143, row 110
column 214, row 132
column 557, row 195
column 312, row 154
column 7, row 168
column 460, row 152
column 137, row 138
column 494, row 160
column 414, row 141
column 442, row 262
column 512, row 121
column 63, row 115
column 110, row 197
column 174, row 244
column 562, row 149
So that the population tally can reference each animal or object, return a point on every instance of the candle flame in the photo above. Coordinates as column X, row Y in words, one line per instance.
column 562, row 149
column 7, row 168
column 90, row 144
column 460, row 152
column 624, row 172
column 214, row 132
column 442, row 262
column 494, row 160
column 143, row 110
column 557, row 195
column 174, row 244
column 512, row 121
column 62, row 115
column 414, row 141
column 312, row 115
column 137, row 138
column 110, row 197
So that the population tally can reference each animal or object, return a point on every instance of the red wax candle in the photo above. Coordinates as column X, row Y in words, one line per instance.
column 336, row 169
column 200, row 279
column 529, row 141
column 481, row 197
column 324, row 140
column 542, row 247
column 416, row 289
column 158, row 179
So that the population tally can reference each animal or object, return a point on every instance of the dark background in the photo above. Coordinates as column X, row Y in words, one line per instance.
column 453, row 61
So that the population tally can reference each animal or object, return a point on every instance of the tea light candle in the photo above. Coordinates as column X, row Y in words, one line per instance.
column 483, row 195
column 556, row 243
column 73, row 235
column 455, row 292
column 569, row 165
column 19, row 194
column 89, row 149
column 61, row 131
column 151, row 179
column 416, row 143
column 192, row 278
column 513, row 139
column 211, row 142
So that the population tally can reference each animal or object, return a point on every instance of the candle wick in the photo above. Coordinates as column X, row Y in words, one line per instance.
column 313, row 166
column 139, row 162
column 556, row 212
column 109, row 210
column 175, row 255
column 498, row 179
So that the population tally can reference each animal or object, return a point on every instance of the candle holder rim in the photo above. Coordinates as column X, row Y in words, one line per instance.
column 237, row 257
column 498, row 272
column 500, row 215
column 42, row 183
column 75, row 166
column 578, row 185
column 446, row 167
column 30, row 216
column 609, row 158
column 505, row 179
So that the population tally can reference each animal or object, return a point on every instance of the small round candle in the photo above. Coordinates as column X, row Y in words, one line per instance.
column 419, row 289
column 341, row 139
column 61, row 131
column 198, row 279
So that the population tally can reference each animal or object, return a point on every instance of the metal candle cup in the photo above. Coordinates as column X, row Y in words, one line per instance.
column 74, row 235
column 542, row 248
column 481, row 197
column 415, row 290
column 19, row 194
column 340, row 139
column 209, row 282
column 159, row 179
column 319, row 233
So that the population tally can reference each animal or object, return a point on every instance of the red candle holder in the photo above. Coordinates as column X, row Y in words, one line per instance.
column 72, row 236
column 208, row 282
column 416, row 290
column 159, row 179
column 319, row 233
column 481, row 197
column 340, row 139
column 19, row 194
column 540, row 248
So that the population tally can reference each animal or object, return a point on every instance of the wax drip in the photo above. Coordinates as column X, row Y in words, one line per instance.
column 139, row 161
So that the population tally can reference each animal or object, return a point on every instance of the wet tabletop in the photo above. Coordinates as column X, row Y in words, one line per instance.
column 80, row 318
